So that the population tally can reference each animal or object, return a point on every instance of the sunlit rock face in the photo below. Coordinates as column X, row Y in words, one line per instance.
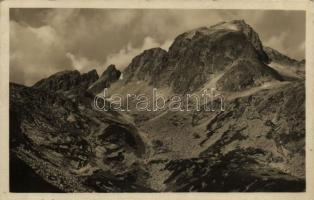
column 196, row 55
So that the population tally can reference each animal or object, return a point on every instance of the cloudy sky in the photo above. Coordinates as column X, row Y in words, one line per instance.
column 45, row 41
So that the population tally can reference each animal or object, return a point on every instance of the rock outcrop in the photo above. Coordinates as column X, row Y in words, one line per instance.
column 147, row 66
column 109, row 76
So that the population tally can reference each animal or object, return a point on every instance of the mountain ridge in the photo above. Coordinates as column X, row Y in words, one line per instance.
column 256, row 144
column 195, row 54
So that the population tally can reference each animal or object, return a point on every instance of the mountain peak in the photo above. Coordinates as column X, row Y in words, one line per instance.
column 196, row 55
column 109, row 69
column 147, row 65
column 67, row 80
column 231, row 26
column 248, row 31
column 237, row 25
column 110, row 75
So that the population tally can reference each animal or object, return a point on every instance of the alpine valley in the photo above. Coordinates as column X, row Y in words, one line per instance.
column 60, row 143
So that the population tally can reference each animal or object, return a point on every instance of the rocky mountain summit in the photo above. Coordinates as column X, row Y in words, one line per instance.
column 67, row 80
column 110, row 75
column 70, row 83
column 195, row 56
column 256, row 144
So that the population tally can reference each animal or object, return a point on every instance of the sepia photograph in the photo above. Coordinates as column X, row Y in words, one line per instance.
column 155, row 100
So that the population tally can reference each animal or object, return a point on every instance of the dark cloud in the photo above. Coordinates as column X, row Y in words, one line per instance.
column 44, row 41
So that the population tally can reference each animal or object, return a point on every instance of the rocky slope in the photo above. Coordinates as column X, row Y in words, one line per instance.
column 255, row 144
column 276, row 56
column 289, row 68
column 71, row 145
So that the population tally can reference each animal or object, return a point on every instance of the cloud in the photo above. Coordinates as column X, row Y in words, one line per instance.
column 44, row 41
column 123, row 17
column 81, row 63
column 34, row 53
column 300, row 50
column 277, row 41
column 45, row 34
column 125, row 55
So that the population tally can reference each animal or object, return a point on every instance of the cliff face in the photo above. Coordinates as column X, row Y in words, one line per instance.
column 196, row 55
